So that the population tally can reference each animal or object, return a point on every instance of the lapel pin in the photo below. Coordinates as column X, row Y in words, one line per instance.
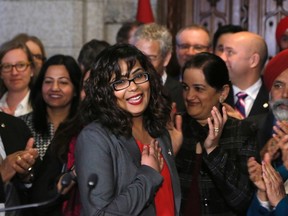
column 265, row 105
column 169, row 152
column 3, row 125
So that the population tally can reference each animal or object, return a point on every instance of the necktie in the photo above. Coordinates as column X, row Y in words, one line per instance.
column 240, row 104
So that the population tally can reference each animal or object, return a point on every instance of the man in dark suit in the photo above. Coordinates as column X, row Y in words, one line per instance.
column 272, row 200
column 245, row 54
column 16, row 152
column 155, row 41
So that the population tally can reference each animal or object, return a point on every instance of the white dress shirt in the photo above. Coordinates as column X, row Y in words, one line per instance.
column 251, row 92
column 3, row 156
column 164, row 77
column 23, row 107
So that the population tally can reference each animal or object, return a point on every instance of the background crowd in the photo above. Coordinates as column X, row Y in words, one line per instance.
column 114, row 133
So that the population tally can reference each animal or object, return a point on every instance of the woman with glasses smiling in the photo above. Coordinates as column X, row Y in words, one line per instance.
column 125, row 152
column 16, row 72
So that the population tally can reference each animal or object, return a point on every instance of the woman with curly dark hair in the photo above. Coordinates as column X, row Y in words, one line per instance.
column 125, row 150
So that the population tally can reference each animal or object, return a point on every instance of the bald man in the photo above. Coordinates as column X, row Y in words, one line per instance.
column 245, row 54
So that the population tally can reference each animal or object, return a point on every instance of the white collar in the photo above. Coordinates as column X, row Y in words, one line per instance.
column 164, row 77
column 252, row 91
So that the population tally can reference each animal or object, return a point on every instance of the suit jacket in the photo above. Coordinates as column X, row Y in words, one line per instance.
column 223, row 182
column 256, row 209
column 264, row 123
column 14, row 134
column 122, row 185
column 175, row 89
column 260, row 104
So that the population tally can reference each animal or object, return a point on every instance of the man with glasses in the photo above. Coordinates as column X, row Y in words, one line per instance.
column 191, row 40
column 155, row 41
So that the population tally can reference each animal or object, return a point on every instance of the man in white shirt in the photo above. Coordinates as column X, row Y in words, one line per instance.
column 245, row 54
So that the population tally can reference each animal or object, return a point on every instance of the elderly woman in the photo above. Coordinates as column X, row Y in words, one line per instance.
column 212, row 160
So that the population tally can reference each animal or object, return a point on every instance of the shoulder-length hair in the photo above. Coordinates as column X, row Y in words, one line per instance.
column 12, row 45
column 39, row 119
column 101, row 104
column 214, row 69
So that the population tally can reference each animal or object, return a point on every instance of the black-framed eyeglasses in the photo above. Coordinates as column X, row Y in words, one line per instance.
column 196, row 47
column 19, row 66
column 125, row 83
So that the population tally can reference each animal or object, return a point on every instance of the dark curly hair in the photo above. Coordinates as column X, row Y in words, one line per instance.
column 101, row 104
column 39, row 114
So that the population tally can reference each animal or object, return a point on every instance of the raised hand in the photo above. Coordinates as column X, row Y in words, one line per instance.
column 215, row 128
column 255, row 173
column 273, row 182
column 151, row 156
column 175, row 129
column 270, row 147
column 283, row 145
column 19, row 162
column 232, row 112
column 280, row 130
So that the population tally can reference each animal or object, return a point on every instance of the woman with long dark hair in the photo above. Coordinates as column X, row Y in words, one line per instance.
column 55, row 97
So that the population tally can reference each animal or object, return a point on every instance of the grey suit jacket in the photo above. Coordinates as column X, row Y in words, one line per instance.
column 123, row 186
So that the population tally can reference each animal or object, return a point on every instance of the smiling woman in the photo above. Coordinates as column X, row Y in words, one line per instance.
column 125, row 143
column 55, row 97
column 212, row 160
column 16, row 72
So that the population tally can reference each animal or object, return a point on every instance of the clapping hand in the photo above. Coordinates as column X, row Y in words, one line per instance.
column 216, row 124
column 267, row 180
column 19, row 162
column 175, row 129
column 232, row 112
column 151, row 156
column 273, row 182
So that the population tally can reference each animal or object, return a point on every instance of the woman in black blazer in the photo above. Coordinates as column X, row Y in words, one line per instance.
column 18, row 158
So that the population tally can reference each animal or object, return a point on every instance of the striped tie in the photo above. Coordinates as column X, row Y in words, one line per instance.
column 240, row 104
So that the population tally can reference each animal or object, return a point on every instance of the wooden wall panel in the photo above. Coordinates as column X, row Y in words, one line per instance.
column 259, row 16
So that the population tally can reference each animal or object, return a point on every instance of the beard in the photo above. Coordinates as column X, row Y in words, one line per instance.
column 280, row 109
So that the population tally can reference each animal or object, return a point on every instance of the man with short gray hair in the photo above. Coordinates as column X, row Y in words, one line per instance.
column 155, row 41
